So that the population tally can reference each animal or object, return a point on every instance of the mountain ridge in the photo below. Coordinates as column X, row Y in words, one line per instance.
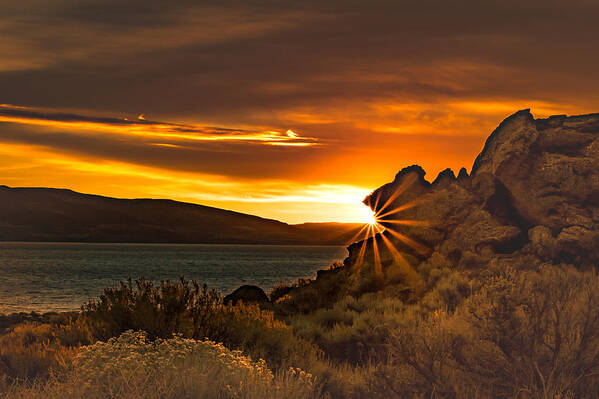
column 58, row 214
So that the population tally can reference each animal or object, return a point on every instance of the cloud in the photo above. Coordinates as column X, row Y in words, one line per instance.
column 234, row 62
column 368, row 87
column 146, row 128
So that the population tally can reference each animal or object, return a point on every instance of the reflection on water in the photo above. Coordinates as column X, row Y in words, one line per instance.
column 62, row 276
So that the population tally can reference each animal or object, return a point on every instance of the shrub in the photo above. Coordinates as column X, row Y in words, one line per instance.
column 352, row 330
column 183, row 307
column 306, row 295
column 33, row 350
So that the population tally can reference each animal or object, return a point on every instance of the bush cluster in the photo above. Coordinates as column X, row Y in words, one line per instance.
column 132, row 366
column 524, row 334
column 194, row 311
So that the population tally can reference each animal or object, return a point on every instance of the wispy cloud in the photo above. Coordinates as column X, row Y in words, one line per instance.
column 148, row 128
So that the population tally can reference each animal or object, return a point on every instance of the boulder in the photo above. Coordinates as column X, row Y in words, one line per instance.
column 246, row 294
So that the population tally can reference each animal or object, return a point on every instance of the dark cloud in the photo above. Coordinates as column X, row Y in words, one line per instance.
column 140, row 121
column 69, row 117
column 210, row 74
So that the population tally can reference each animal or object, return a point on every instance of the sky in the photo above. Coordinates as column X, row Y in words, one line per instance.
column 292, row 110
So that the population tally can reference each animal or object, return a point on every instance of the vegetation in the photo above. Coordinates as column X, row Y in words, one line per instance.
column 493, row 333
column 195, row 311
column 132, row 366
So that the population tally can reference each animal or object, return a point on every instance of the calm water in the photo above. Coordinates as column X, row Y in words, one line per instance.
column 62, row 276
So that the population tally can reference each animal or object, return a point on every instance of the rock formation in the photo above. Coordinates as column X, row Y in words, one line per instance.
column 532, row 197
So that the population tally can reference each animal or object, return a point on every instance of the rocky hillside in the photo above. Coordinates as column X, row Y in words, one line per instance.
column 532, row 197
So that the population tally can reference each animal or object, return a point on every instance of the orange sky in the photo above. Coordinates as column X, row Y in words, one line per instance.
column 293, row 112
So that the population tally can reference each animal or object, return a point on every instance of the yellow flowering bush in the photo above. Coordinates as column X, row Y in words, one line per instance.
column 133, row 366
column 133, row 354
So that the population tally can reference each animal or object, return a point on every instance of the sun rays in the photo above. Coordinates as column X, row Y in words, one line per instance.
column 381, row 231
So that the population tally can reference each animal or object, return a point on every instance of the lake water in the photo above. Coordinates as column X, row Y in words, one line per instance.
column 63, row 276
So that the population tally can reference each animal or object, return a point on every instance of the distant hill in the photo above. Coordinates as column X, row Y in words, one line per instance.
column 47, row 214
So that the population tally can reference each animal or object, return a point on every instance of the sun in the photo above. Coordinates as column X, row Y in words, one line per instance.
column 367, row 216
column 371, row 219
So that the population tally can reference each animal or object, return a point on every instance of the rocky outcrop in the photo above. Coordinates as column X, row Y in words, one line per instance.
column 531, row 197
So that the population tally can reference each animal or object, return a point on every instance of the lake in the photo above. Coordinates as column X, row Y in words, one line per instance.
column 62, row 276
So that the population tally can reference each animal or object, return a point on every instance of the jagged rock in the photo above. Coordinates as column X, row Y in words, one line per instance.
column 247, row 293
column 446, row 176
column 507, row 145
column 532, row 196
